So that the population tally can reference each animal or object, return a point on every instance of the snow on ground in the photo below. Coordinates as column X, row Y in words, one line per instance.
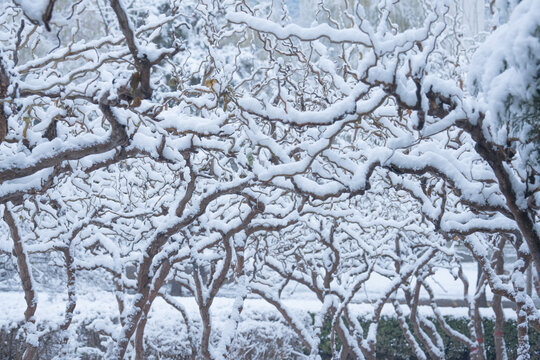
column 101, row 305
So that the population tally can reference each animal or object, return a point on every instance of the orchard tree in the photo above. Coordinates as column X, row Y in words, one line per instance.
column 219, row 145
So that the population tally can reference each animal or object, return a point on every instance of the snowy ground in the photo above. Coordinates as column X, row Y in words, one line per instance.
column 99, row 310
column 102, row 305
column 97, row 313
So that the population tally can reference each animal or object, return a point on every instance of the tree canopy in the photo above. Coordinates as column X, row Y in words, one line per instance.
column 229, row 147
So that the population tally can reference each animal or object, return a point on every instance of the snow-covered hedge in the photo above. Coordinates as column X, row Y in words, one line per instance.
column 261, row 336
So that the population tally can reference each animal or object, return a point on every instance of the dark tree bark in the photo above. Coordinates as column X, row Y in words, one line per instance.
column 26, row 280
